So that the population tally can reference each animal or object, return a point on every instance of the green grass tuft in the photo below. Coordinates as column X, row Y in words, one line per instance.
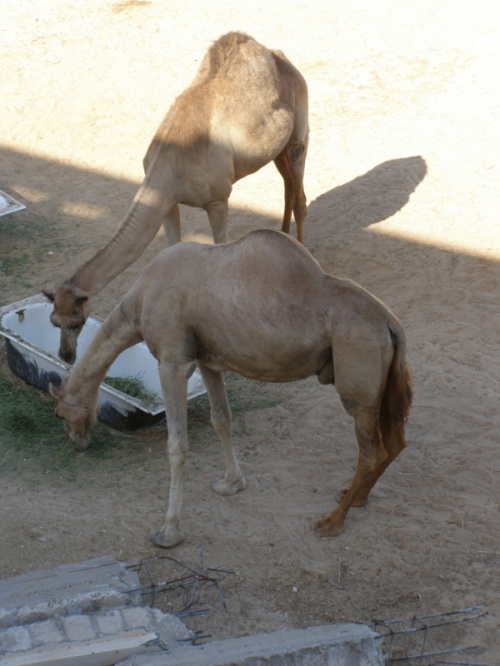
column 134, row 387
column 28, row 425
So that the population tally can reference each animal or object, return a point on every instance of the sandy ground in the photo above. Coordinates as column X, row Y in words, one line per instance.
column 402, row 182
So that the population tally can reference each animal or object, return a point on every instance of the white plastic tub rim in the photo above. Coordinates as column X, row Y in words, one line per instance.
column 32, row 343
column 8, row 204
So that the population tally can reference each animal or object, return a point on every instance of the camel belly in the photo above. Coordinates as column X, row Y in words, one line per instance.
column 254, row 144
column 267, row 363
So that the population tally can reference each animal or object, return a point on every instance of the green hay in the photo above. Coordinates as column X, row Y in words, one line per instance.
column 134, row 387
column 28, row 424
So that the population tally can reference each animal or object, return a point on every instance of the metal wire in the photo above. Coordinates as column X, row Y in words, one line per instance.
column 190, row 583
column 398, row 639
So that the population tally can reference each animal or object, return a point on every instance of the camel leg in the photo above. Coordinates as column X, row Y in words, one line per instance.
column 283, row 165
column 372, row 455
column 217, row 215
column 172, row 226
column 291, row 164
column 220, row 415
column 174, row 388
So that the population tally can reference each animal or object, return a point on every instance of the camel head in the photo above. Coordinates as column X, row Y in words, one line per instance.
column 78, row 419
column 71, row 310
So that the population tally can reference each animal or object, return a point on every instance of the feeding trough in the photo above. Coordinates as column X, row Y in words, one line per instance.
column 31, row 343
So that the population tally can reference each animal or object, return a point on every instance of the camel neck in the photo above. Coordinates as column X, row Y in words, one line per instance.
column 140, row 225
column 113, row 337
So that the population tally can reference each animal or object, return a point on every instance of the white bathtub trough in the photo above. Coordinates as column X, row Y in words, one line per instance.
column 8, row 204
column 32, row 343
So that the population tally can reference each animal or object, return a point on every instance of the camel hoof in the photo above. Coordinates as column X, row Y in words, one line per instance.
column 327, row 528
column 357, row 501
column 166, row 538
column 227, row 488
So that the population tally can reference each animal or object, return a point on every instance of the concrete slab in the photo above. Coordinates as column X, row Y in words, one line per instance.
column 70, row 589
column 333, row 645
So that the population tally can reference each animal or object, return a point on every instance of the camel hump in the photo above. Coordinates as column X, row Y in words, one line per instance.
column 272, row 236
column 231, row 48
column 282, row 249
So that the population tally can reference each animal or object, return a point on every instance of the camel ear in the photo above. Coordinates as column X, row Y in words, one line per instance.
column 49, row 295
column 80, row 300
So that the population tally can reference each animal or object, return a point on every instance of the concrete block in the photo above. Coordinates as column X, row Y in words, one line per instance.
column 78, row 628
column 71, row 589
column 137, row 617
column 169, row 629
column 109, row 622
column 14, row 639
column 333, row 645
column 45, row 632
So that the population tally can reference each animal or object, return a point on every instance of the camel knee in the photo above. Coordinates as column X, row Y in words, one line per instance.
column 177, row 449
column 369, row 464
column 221, row 420
column 393, row 438
column 296, row 151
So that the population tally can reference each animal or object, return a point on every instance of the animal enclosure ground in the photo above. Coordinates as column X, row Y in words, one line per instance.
column 402, row 185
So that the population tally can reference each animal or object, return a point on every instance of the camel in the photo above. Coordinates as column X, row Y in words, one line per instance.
column 262, row 307
column 246, row 106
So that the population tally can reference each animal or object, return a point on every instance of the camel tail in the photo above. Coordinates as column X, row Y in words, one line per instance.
column 398, row 393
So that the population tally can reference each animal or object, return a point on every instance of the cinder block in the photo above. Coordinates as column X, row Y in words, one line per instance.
column 78, row 628
column 14, row 639
column 168, row 628
column 137, row 617
column 109, row 622
column 46, row 632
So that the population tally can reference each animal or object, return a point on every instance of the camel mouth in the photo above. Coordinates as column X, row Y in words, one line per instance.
column 67, row 356
column 68, row 343
column 81, row 444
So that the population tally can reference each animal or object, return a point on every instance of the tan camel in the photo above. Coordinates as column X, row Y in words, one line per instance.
column 246, row 106
column 261, row 307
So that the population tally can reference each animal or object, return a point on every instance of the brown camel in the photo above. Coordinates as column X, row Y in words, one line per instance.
column 246, row 106
column 262, row 307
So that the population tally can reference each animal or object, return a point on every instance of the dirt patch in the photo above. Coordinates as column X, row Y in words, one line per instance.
column 402, row 182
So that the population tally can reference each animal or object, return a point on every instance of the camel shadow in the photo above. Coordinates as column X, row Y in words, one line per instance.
column 373, row 197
